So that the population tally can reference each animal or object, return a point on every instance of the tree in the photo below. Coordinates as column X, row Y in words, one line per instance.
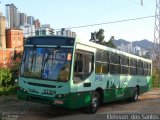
column 14, row 68
column 155, row 74
column 110, row 43
column 93, row 37
column 6, row 83
column 98, row 37
column 5, row 77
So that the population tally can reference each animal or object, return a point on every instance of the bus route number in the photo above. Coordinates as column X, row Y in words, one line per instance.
column 98, row 78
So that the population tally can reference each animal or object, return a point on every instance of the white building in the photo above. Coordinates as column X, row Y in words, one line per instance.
column 28, row 30
column 46, row 26
column 44, row 30
column 136, row 49
column 125, row 48
column 8, row 16
column 129, row 48
column 65, row 32
column 122, row 47
column 142, row 52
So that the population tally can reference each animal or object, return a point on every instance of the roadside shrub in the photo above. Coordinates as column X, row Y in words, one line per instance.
column 7, row 84
column 5, row 77
column 155, row 82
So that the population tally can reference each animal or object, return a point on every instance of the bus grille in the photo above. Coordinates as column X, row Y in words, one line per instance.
column 39, row 99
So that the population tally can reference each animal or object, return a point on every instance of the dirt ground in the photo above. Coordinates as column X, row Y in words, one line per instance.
column 13, row 109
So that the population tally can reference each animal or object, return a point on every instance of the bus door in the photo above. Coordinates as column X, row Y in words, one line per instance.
column 83, row 75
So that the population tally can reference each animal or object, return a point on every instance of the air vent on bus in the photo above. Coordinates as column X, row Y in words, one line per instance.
column 39, row 99
column 42, row 85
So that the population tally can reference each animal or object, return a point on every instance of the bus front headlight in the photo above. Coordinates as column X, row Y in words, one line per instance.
column 22, row 89
column 61, row 95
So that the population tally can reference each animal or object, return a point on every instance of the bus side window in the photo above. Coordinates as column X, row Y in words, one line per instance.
column 78, row 63
column 83, row 66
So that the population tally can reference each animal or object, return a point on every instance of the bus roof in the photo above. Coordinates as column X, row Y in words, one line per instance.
column 49, row 36
column 102, row 47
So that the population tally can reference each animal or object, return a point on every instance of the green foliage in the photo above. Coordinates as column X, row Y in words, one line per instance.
column 8, row 90
column 15, row 67
column 98, row 37
column 5, row 77
column 155, row 82
column 6, row 84
column 155, row 75
column 110, row 43
column 9, row 75
column 7, row 80
column 15, row 72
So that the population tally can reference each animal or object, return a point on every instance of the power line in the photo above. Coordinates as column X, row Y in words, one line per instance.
column 145, row 7
column 97, row 24
column 118, row 21
column 140, row 3
column 135, row 2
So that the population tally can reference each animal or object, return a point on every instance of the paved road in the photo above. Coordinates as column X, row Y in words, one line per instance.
column 148, row 103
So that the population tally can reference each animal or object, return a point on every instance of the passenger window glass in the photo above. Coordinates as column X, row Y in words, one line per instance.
column 133, row 62
column 140, row 64
column 99, row 56
column 114, row 69
column 140, row 71
column 145, row 65
column 101, row 68
column 133, row 71
column 124, row 60
column 124, row 70
column 83, row 65
column 149, row 66
column 114, row 58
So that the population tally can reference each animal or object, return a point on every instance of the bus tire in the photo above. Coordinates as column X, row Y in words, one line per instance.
column 134, row 97
column 95, row 101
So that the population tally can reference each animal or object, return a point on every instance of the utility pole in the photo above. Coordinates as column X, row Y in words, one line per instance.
column 156, row 48
column 141, row 2
column 157, row 23
column 157, row 35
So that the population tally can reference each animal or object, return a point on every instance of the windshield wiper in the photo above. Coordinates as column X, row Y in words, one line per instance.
column 24, row 59
column 33, row 56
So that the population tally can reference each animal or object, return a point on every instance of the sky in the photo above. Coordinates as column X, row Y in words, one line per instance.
column 73, row 13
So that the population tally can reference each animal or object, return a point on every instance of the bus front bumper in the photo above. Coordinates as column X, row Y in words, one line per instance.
column 71, row 101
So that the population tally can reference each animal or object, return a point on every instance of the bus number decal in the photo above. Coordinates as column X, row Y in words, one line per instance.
column 49, row 92
column 98, row 78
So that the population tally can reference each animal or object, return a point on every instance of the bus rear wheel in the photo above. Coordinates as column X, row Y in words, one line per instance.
column 134, row 98
column 95, row 100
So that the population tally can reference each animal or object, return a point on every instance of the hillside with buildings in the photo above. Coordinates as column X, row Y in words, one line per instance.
column 141, row 48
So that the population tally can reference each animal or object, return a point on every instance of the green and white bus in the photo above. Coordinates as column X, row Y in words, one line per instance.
column 67, row 72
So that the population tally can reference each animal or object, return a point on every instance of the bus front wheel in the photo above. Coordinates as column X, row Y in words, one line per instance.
column 95, row 100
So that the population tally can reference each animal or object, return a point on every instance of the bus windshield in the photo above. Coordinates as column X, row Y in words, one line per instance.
column 47, row 63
